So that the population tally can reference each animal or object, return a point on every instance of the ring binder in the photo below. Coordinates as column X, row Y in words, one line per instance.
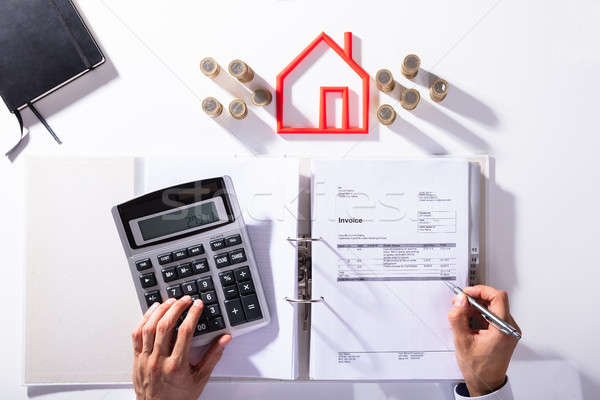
column 304, row 301
column 303, row 239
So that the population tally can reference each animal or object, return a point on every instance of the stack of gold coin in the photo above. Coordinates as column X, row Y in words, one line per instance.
column 410, row 66
column 386, row 114
column 384, row 80
column 238, row 109
column 241, row 71
column 209, row 67
column 261, row 97
column 438, row 90
column 409, row 99
column 212, row 107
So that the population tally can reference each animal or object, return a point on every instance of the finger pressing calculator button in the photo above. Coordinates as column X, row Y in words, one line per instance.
column 251, row 307
column 169, row 274
column 242, row 274
column 216, row 324
column 185, row 270
column 200, row 266
column 231, row 292
column 148, row 280
column 189, row 287
column 226, row 278
column 217, row 245
column 222, row 260
column 205, row 284
column 201, row 327
column 180, row 254
column 237, row 256
column 195, row 250
column 143, row 264
column 209, row 297
column 175, row 291
column 235, row 311
column 212, row 310
column 152, row 297
column 165, row 259
column 246, row 288
column 233, row 240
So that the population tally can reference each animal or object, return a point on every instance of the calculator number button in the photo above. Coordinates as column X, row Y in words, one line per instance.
column 233, row 240
column 212, row 310
column 237, row 256
column 205, row 284
column 201, row 327
column 218, row 244
column 175, row 291
column 165, row 258
column 148, row 280
column 185, row 270
column 251, row 307
column 195, row 250
column 190, row 288
column 142, row 265
column 222, row 260
column 209, row 297
column 235, row 311
column 169, row 274
column 152, row 297
column 180, row 254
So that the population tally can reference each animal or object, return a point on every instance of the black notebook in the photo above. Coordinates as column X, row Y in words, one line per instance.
column 44, row 44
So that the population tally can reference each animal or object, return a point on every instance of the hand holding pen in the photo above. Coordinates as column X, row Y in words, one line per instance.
column 483, row 355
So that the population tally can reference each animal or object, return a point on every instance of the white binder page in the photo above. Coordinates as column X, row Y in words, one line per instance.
column 391, row 233
column 267, row 190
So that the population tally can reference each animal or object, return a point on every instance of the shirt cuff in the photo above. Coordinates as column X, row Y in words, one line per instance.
column 504, row 393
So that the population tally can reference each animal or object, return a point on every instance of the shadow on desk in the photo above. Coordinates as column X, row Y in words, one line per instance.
column 61, row 99
column 458, row 100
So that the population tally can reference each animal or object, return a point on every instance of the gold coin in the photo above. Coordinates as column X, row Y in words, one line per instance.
column 409, row 99
column 261, row 97
column 438, row 90
column 386, row 114
column 209, row 67
column 212, row 107
column 238, row 109
column 241, row 71
column 410, row 65
column 384, row 80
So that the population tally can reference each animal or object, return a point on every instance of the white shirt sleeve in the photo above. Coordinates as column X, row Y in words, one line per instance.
column 504, row 393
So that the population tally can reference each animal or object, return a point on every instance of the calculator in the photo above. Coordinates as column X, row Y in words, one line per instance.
column 191, row 239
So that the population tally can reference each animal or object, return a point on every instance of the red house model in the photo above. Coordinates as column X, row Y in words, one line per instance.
column 346, row 55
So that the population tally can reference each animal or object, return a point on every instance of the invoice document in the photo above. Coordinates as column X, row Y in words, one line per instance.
column 390, row 233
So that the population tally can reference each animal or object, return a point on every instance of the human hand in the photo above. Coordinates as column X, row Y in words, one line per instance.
column 483, row 355
column 161, row 365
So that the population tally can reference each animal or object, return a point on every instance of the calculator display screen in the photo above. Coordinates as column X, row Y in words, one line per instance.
column 178, row 220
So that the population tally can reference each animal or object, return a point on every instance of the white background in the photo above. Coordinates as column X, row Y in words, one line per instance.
column 523, row 88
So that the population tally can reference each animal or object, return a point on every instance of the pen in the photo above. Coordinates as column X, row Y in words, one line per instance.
column 489, row 316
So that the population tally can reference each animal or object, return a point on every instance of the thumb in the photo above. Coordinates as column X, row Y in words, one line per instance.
column 458, row 316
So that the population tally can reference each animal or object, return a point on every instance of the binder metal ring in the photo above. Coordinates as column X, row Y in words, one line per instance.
column 305, row 301
column 301, row 239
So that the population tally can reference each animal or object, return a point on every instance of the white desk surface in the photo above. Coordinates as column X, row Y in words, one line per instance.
column 523, row 88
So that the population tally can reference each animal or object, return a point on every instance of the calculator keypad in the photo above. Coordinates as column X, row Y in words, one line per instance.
column 240, row 299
